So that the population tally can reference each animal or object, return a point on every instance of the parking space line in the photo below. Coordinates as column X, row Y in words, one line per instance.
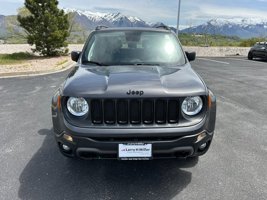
column 255, row 62
column 239, row 59
column 245, row 60
column 217, row 61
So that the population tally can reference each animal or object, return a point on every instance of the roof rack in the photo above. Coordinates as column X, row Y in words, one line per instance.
column 101, row 27
column 164, row 27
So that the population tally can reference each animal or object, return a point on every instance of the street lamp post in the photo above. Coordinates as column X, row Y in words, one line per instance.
column 178, row 17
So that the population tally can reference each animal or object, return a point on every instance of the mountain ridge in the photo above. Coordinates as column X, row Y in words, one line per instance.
column 241, row 27
column 84, row 21
column 89, row 20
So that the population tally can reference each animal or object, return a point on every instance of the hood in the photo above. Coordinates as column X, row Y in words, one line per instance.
column 121, row 81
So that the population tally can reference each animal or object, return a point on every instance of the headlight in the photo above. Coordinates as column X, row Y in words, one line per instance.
column 77, row 106
column 192, row 105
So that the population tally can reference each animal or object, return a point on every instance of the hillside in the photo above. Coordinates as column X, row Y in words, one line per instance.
column 216, row 32
column 243, row 28
column 10, row 30
column 82, row 23
column 89, row 20
column 209, row 40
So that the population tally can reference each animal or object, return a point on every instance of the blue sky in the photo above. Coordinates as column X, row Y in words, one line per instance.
column 193, row 12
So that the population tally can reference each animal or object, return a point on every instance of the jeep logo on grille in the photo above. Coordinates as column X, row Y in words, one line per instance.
column 132, row 92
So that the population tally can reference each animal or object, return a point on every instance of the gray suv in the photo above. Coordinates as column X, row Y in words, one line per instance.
column 133, row 96
column 259, row 50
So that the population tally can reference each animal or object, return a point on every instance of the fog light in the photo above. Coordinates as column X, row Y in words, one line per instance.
column 201, row 136
column 68, row 138
column 203, row 146
column 65, row 147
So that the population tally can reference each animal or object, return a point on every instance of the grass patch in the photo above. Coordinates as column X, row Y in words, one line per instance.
column 61, row 62
column 15, row 58
column 217, row 40
column 208, row 40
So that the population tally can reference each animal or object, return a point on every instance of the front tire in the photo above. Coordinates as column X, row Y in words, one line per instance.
column 250, row 56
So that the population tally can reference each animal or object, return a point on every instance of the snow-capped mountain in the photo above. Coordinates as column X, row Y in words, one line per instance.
column 84, row 21
column 244, row 28
column 89, row 20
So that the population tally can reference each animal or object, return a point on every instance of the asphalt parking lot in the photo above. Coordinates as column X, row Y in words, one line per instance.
column 234, row 168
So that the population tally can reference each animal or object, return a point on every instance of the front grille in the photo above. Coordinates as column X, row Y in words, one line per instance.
column 134, row 111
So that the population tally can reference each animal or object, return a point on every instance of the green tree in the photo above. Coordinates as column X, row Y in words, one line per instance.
column 251, row 41
column 47, row 27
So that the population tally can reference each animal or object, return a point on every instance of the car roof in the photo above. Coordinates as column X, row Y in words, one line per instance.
column 157, row 29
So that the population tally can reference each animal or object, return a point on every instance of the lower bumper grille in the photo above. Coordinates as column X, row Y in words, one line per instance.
column 135, row 111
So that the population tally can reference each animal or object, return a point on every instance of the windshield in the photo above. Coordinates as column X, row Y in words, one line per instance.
column 133, row 48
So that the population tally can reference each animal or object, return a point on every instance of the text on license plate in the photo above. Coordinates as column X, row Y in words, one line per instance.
column 138, row 150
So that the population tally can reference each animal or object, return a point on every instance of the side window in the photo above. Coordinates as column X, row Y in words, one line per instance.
column 261, row 46
column 88, row 52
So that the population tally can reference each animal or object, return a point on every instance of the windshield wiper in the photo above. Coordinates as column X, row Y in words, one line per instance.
column 149, row 64
column 94, row 62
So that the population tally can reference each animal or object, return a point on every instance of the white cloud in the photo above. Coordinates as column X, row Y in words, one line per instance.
column 209, row 11
column 11, row 1
column 193, row 11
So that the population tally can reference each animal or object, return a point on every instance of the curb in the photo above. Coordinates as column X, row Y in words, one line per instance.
column 65, row 67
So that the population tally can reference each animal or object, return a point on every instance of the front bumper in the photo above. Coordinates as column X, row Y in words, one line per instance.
column 103, row 142
column 107, row 147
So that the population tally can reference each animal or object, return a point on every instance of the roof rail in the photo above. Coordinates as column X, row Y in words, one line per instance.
column 100, row 27
column 164, row 27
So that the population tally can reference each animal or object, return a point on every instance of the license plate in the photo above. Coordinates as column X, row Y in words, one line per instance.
column 135, row 151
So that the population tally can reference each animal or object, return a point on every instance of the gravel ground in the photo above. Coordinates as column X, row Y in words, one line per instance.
column 36, row 65
column 219, row 51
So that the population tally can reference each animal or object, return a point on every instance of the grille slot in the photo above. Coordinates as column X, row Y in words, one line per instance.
column 173, row 111
column 161, row 111
column 122, row 111
column 109, row 112
column 97, row 112
column 148, row 112
column 134, row 111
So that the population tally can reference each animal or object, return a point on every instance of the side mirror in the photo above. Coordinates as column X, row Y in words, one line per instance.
column 191, row 56
column 75, row 55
